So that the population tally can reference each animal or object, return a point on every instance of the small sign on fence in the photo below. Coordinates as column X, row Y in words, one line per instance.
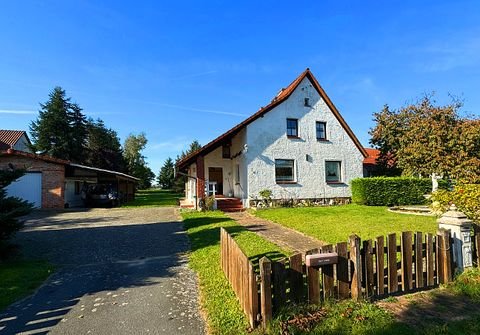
column 319, row 260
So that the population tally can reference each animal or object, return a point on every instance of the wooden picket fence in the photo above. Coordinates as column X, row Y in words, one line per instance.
column 365, row 270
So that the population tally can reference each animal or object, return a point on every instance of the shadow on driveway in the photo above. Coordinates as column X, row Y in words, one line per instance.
column 112, row 279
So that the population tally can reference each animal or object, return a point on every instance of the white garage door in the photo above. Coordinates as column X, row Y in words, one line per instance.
column 28, row 187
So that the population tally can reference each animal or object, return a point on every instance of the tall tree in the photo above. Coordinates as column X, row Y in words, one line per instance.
column 136, row 164
column 60, row 128
column 103, row 148
column 166, row 176
column 10, row 208
column 425, row 138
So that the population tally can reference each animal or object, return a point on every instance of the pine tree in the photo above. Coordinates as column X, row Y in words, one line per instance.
column 166, row 176
column 103, row 148
column 50, row 133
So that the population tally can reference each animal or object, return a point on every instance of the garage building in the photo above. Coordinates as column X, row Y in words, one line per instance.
column 56, row 183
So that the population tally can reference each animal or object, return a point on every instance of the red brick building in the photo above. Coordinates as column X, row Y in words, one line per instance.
column 48, row 178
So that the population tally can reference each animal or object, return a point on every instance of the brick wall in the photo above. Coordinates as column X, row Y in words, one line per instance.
column 53, row 177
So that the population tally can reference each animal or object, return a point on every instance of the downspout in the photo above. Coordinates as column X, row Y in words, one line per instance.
column 192, row 177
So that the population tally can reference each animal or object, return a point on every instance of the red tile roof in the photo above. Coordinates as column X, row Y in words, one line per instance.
column 372, row 156
column 8, row 138
column 281, row 97
column 11, row 152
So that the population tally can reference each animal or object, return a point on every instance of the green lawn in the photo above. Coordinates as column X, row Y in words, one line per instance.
column 336, row 223
column 19, row 278
column 223, row 312
column 154, row 198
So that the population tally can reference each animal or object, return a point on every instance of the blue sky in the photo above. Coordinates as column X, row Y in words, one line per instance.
column 189, row 70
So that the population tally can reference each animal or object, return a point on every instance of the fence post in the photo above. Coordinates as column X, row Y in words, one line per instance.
column 296, row 278
column 356, row 263
column 279, row 284
column 265, row 291
column 477, row 246
column 313, row 281
column 368, row 265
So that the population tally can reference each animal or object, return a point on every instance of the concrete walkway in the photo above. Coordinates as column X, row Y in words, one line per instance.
column 288, row 239
column 119, row 271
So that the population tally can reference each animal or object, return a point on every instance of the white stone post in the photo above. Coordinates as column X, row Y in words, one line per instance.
column 460, row 228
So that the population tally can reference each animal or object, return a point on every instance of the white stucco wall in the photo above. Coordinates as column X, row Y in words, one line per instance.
column 267, row 141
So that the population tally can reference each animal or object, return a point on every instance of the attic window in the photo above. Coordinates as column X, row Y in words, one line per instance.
column 226, row 150
column 307, row 102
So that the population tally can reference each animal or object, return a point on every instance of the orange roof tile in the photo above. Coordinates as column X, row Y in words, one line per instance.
column 372, row 156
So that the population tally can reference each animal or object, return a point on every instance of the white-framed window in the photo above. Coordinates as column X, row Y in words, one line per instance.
column 333, row 171
column 321, row 130
column 284, row 170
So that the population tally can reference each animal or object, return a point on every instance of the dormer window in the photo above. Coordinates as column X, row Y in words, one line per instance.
column 307, row 102
column 226, row 151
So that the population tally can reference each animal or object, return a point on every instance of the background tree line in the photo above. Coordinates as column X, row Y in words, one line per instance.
column 63, row 131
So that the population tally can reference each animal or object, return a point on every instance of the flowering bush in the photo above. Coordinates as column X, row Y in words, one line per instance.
column 465, row 196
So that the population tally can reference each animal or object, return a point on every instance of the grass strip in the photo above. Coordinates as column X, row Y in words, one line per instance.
column 19, row 278
column 223, row 312
column 154, row 198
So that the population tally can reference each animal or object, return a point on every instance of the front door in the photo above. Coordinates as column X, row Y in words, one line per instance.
column 216, row 174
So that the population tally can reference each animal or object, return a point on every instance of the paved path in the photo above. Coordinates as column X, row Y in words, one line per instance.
column 121, row 271
column 286, row 238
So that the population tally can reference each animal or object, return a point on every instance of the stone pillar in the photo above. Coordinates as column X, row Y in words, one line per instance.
column 460, row 228
column 200, row 178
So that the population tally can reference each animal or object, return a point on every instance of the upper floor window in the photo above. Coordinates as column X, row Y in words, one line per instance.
column 226, row 151
column 292, row 127
column 307, row 102
column 284, row 170
column 321, row 130
column 333, row 171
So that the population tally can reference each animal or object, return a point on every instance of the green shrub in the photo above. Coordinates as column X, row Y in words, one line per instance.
column 388, row 191
column 465, row 196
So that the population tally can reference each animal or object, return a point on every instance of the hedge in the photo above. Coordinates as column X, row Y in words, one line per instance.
column 389, row 191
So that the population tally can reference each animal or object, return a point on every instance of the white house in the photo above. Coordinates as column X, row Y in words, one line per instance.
column 298, row 146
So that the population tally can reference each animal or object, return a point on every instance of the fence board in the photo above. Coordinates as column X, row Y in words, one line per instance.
column 342, row 271
column 368, row 261
column 380, row 264
column 447, row 246
column 406, row 243
column 356, row 270
column 252, row 296
column 440, row 259
column 265, row 291
column 392, row 263
column 295, row 275
column 279, row 284
column 328, row 280
column 477, row 245
column 430, row 259
column 313, row 281
column 418, row 260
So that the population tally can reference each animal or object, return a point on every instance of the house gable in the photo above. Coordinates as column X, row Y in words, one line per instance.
column 283, row 96
column 308, row 155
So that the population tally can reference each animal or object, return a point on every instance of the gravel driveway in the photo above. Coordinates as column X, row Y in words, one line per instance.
column 121, row 271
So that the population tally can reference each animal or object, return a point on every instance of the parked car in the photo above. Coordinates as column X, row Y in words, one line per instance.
column 100, row 195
